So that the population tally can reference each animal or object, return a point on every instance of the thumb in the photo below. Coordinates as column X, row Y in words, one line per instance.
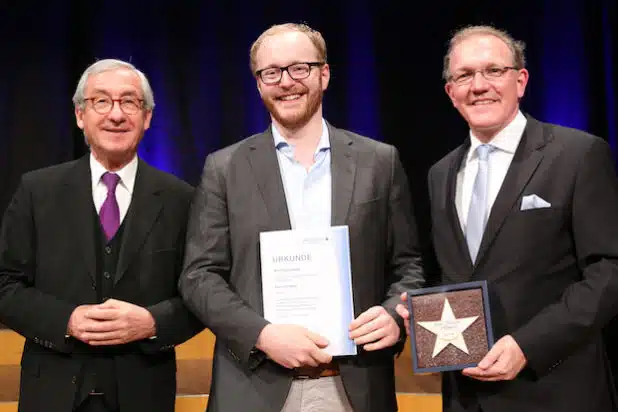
column 402, row 311
column 109, row 304
column 492, row 356
column 319, row 340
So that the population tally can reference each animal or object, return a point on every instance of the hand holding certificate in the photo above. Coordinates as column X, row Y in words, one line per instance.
column 306, row 281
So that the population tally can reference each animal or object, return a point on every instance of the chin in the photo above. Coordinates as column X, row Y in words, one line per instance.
column 485, row 121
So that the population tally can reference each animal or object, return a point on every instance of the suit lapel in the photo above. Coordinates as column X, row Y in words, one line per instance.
column 451, row 207
column 343, row 170
column 264, row 165
column 142, row 214
column 525, row 161
column 77, row 207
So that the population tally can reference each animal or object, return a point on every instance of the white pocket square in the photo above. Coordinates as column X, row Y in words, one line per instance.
column 533, row 202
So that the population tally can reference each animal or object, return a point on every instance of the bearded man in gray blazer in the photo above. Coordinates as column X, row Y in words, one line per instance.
column 301, row 172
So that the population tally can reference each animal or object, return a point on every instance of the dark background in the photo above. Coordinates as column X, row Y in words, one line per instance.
column 385, row 57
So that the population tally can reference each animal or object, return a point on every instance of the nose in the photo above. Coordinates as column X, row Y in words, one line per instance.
column 286, row 80
column 116, row 114
column 479, row 83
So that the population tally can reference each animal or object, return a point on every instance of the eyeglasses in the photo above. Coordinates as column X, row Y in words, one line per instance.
column 296, row 71
column 489, row 73
column 104, row 104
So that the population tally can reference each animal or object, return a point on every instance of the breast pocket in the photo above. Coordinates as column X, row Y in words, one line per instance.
column 537, row 229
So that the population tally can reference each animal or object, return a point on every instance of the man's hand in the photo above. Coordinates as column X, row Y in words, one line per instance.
column 374, row 329
column 503, row 362
column 293, row 346
column 79, row 322
column 402, row 310
column 115, row 322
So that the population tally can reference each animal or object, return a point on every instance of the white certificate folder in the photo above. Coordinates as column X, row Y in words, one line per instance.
column 307, row 281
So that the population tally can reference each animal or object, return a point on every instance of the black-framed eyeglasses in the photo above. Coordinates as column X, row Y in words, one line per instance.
column 296, row 71
column 104, row 104
column 489, row 73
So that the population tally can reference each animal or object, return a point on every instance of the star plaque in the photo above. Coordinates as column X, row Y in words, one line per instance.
column 450, row 326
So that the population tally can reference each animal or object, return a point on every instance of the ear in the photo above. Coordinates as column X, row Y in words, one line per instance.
column 147, row 119
column 325, row 76
column 522, row 81
column 448, row 88
column 258, row 85
column 79, row 114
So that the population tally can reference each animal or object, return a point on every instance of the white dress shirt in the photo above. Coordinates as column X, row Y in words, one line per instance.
column 124, row 190
column 505, row 143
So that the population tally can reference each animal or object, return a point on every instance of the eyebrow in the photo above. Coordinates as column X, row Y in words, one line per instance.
column 123, row 94
column 469, row 69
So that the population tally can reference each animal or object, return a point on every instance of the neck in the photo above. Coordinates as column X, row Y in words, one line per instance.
column 487, row 135
column 306, row 136
column 114, row 163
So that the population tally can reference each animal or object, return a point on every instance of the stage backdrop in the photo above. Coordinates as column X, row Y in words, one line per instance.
column 385, row 57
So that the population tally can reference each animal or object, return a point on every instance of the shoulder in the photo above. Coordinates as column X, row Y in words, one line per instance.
column 363, row 144
column 168, row 182
column 50, row 176
column 221, row 158
column 445, row 162
column 572, row 139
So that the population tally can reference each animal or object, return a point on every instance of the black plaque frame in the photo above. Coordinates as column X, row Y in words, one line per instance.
column 446, row 289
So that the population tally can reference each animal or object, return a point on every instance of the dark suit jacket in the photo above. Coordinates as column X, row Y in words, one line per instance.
column 47, row 269
column 552, row 272
column 241, row 194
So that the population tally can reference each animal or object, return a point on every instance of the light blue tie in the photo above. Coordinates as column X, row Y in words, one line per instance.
column 477, row 214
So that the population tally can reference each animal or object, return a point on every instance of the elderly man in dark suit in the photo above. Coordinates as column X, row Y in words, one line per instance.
column 90, row 254
column 532, row 208
column 301, row 172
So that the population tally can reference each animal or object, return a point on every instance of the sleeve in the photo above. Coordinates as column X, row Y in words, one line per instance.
column 404, row 260
column 589, row 304
column 175, row 323
column 204, row 283
column 39, row 317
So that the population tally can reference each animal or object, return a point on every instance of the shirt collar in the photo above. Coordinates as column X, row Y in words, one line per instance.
column 506, row 140
column 127, row 173
column 323, row 144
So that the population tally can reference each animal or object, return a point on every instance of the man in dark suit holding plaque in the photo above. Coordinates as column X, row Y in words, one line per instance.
column 90, row 254
column 532, row 208
column 300, row 173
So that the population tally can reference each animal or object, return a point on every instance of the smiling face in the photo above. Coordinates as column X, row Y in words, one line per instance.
column 292, row 103
column 487, row 105
column 113, row 137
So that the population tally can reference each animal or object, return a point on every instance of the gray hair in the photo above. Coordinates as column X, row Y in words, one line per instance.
column 107, row 65
column 517, row 47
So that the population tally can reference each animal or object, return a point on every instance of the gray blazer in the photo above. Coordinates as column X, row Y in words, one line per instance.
column 241, row 194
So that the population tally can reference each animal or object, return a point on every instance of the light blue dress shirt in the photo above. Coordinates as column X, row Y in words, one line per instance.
column 307, row 192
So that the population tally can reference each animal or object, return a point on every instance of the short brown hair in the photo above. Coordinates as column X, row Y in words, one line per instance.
column 314, row 35
column 517, row 47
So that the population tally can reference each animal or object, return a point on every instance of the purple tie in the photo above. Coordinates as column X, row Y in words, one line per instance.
column 110, row 213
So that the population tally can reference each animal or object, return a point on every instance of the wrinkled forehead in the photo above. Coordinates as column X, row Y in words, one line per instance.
column 285, row 48
column 479, row 50
column 119, row 81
